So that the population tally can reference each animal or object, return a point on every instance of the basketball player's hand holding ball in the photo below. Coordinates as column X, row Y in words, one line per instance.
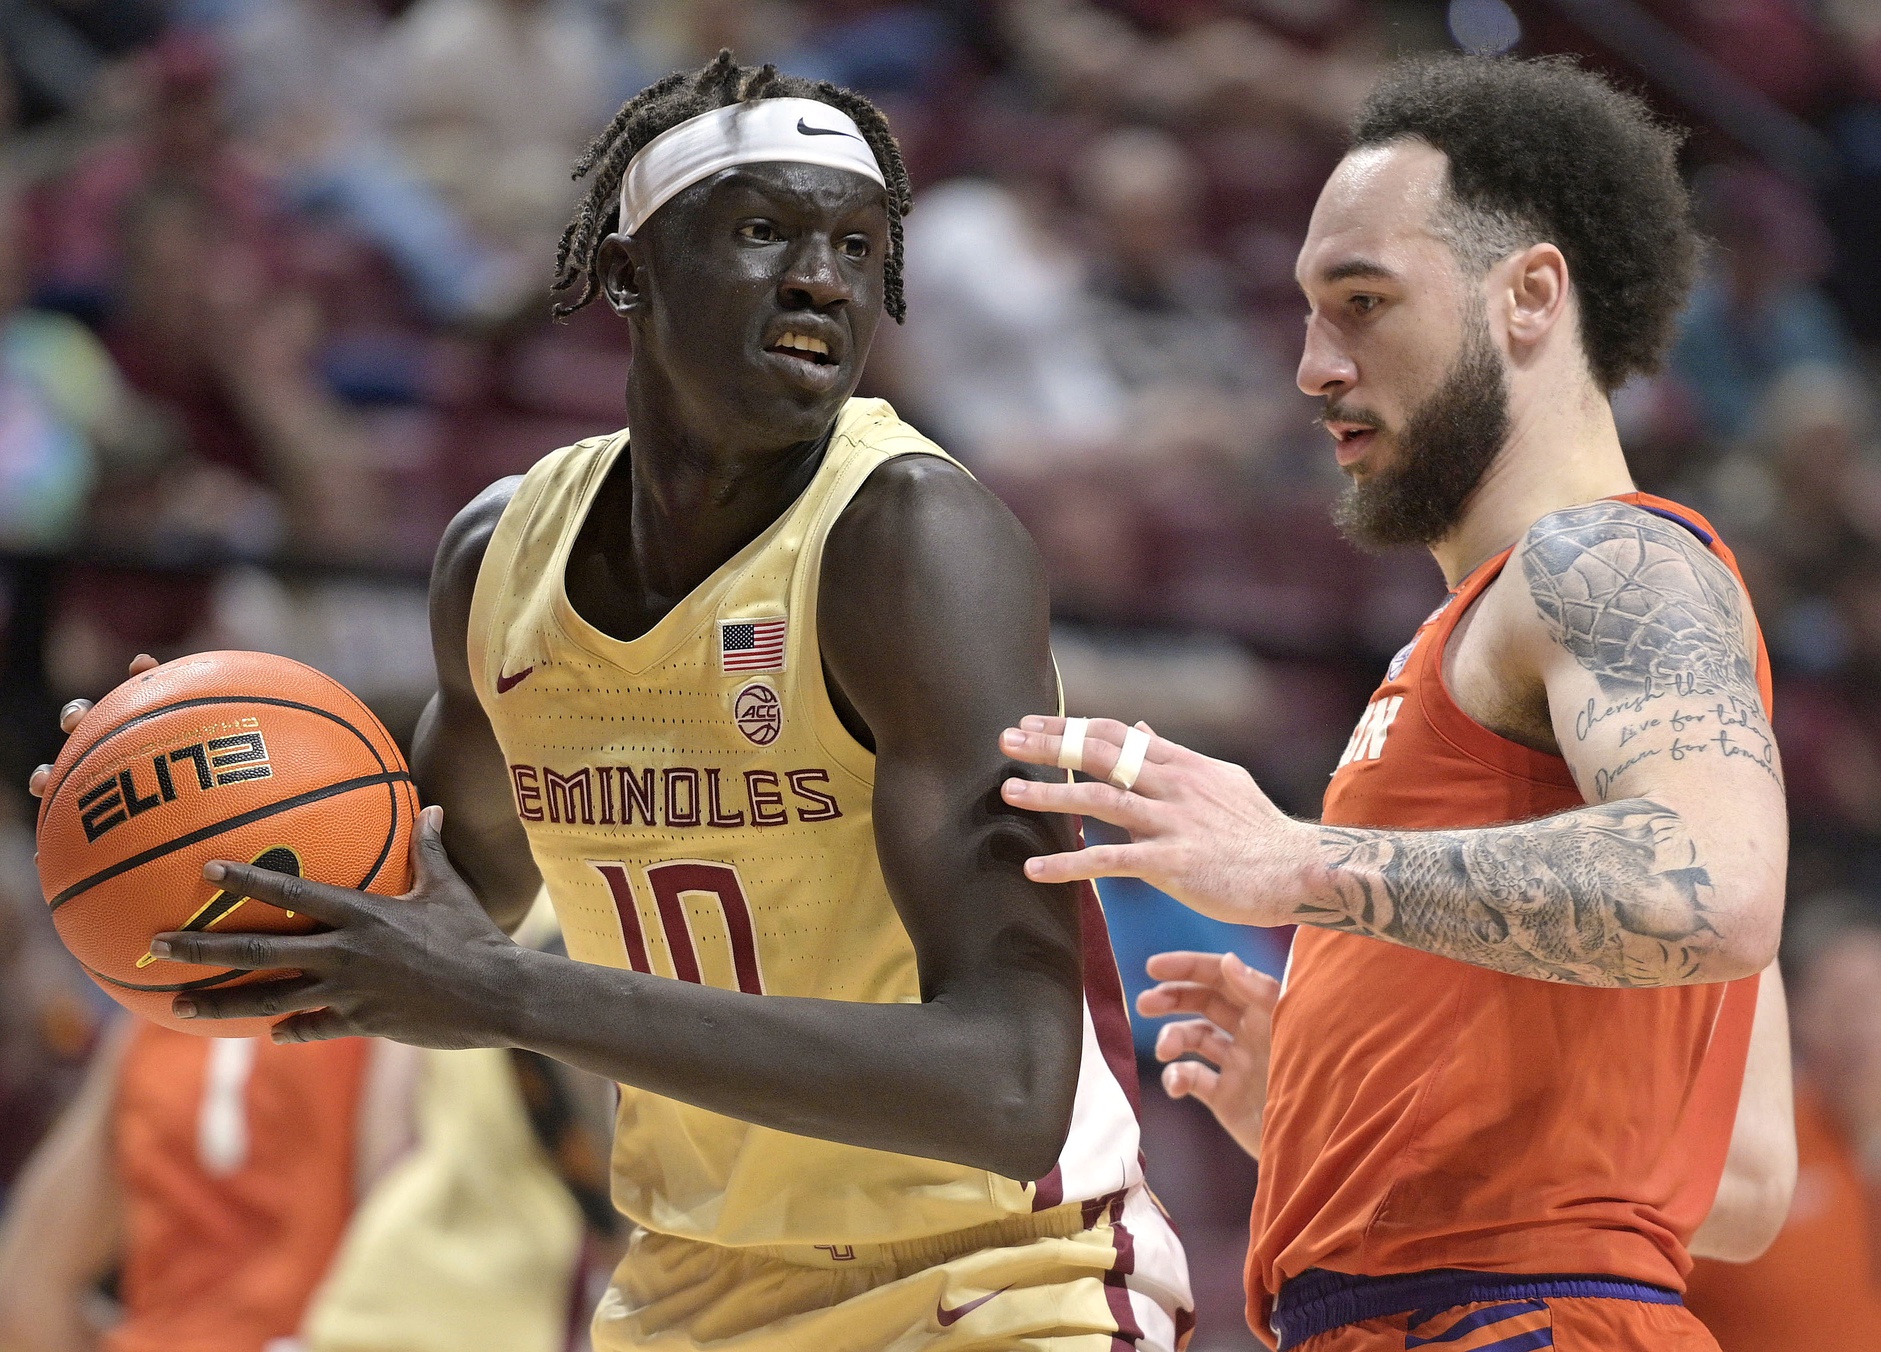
column 1200, row 829
column 1233, row 1036
column 428, row 968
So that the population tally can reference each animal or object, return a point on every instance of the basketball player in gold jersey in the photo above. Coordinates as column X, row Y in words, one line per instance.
column 733, row 692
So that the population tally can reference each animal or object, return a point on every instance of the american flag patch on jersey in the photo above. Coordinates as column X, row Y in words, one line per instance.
column 751, row 645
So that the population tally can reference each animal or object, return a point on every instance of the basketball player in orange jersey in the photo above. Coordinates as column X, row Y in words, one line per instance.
column 216, row 1176
column 733, row 693
column 1508, row 1054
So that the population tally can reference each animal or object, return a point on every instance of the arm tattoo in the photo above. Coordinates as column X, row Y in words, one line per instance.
column 1657, row 620
column 1610, row 895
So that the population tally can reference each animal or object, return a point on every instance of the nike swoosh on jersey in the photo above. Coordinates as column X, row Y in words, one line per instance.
column 504, row 684
column 808, row 130
column 946, row 1317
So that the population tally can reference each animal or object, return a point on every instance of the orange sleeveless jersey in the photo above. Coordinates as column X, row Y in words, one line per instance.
column 236, row 1160
column 1816, row 1288
column 1425, row 1113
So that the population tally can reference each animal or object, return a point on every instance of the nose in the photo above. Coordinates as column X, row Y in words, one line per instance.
column 1325, row 368
column 813, row 278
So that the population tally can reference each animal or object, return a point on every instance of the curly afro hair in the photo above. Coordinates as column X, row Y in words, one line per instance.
column 1546, row 150
column 683, row 95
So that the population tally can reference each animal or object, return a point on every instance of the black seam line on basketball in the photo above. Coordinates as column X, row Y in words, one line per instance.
column 197, row 704
column 227, row 824
column 202, row 984
column 391, row 834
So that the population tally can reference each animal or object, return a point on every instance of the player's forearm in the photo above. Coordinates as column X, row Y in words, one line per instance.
column 989, row 1087
column 1614, row 894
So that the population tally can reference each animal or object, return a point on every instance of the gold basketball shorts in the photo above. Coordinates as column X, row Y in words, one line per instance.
column 1083, row 1277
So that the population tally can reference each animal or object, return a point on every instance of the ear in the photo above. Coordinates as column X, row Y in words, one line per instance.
column 1535, row 297
column 620, row 265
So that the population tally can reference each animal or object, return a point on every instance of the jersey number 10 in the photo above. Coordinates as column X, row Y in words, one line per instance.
column 669, row 882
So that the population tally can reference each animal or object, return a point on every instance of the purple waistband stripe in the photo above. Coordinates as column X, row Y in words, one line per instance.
column 1317, row 1300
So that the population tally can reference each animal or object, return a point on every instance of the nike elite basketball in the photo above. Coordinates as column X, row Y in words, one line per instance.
column 228, row 755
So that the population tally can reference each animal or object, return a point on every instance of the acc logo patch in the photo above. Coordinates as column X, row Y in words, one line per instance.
column 1398, row 663
column 758, row 713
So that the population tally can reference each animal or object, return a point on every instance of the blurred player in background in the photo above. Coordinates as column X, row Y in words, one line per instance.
column 346, row 1196
column 1819, row 1285
column 733, row 693
column 1508, row 1057
column 213, row 1176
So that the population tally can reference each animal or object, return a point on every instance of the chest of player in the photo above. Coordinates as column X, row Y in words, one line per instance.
column 597, row 752
column 1417, row 760
column 691, row 823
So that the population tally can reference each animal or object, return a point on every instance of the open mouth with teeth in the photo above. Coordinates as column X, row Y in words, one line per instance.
column 804, row 348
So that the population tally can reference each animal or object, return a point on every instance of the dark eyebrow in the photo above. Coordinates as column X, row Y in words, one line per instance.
column 1363, row 268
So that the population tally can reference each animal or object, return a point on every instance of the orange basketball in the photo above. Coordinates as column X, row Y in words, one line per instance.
column 228, row 755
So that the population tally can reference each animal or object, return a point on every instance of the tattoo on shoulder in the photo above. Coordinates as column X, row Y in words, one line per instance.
column 1658, row 621
column 1606, row 896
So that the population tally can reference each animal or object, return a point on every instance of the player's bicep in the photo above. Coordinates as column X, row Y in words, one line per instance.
column 934, row 618
column 1647, row 650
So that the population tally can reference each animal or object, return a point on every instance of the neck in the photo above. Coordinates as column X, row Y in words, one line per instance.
column 1561, row 452
column 696, row 494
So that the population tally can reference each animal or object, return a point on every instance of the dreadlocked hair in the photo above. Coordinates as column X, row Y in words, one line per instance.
column 666, row 103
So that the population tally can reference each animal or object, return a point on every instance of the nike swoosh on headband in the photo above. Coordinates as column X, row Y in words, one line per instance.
column 764, row 130
column 808, row 130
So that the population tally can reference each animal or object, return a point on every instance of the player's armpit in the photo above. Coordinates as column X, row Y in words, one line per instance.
column 455, row 756
column 1759, row 1179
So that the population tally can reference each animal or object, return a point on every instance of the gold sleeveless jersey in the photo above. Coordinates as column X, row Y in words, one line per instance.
column 699, row 812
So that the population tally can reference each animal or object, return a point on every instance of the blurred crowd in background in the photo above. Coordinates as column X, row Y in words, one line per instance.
column 273, row 305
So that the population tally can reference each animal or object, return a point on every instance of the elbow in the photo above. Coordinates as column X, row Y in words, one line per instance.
column 1751, row 934
column 1026, row 1155
column 1775, row 1192
column 1027, row 1132
column 1750, row 1211
column 1755, row 1228
column 1755, row 948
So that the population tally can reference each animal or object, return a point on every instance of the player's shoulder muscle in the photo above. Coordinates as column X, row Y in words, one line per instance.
column 454, row 577
column 923, row 532
column 932, row 596
column 1636, row 599
column 919, row 511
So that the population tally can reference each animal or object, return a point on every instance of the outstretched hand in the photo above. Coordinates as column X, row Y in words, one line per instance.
column 1200, row 829
column 428, row 968
column 1233, row 1036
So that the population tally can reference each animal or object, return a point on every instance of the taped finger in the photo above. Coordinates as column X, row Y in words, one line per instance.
column 1130, row 759
column 1071, row 744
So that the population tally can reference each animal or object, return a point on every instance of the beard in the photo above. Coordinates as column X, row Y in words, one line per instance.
column 1443, row 450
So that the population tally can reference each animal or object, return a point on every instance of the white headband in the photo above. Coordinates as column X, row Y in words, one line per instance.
column 800, row 131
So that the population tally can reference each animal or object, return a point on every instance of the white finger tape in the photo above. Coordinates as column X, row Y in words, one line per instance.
column 1130, row 759
column 1071, row 744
